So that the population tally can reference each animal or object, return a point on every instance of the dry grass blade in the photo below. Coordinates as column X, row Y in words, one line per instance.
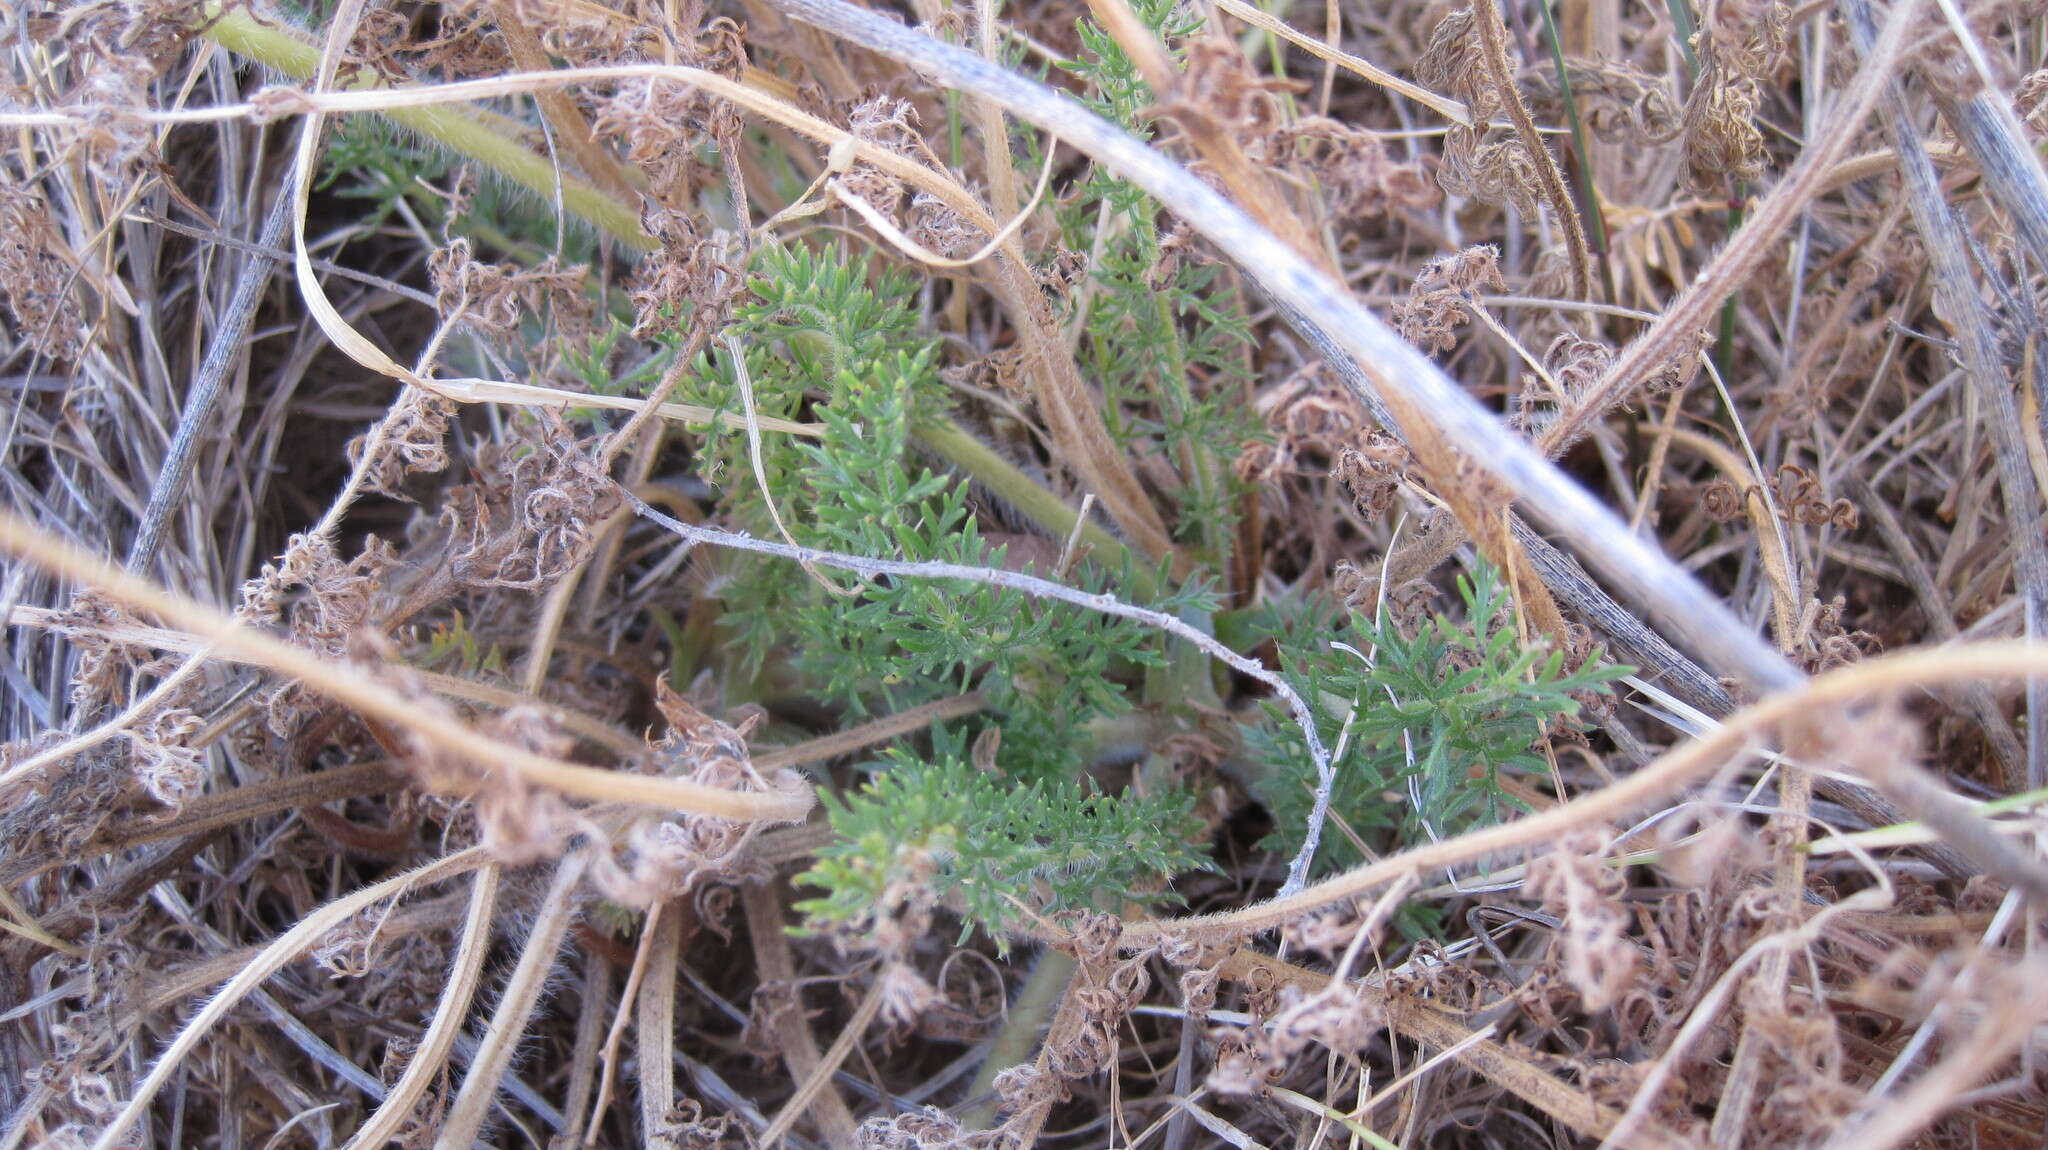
column 360, row 690
column 654, row 1026
column 1671, row 773
column 289, row 946
column 1315, row 792
column 1395, row 366
column 431, row 1056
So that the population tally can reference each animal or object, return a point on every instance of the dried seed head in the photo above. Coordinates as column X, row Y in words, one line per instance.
column 684, row 1127
column 1025, row 1086
column 1360, row 175
column 170, row 769
column 1722, row 140
column 36, row 282
column 940, row 229
column 1240, row 1069
column 905, row 995
column 690, row 276
column 493, row 297
column 673, row 856
column 1374, row 471
column 1453, row 62
column 411, row 440
column 1721, row 501
column 1739, row 45
column 1091, row 937
column 1573, row 882
column 2030, row 101
column 928, row 1129
column 1444, row 292
column 892, row 124
column 1620, row 103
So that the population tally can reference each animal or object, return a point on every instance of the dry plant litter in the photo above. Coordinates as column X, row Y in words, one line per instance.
column 935, row 574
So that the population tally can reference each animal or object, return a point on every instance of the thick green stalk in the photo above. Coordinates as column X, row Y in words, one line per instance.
column 960, row 448
column 1596, row 217
column 459, row 130
column 1042, row 991
column 471, row 135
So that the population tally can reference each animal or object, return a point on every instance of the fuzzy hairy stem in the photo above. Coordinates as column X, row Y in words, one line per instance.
column 222, row 809
column 1493, row 39
column 522, row 994
column 1453, row 110
column 1024, row 1127
column 1072, row 413
column 428, row 1059
column 1041, row 993
column 593, row 996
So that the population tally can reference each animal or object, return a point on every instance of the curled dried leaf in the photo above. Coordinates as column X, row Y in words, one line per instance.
column 1357, row 171
column 1573, row 882
column 1443, row 294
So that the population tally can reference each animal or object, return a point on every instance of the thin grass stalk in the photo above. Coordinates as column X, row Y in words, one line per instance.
column 522, row 994
column 1589, row 187
column 1395, row 366
column 1669, row 774
column 289, row 946
column 229, row 343
column 1962, row 306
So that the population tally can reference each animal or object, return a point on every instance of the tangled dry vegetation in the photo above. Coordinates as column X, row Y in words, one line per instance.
column 747, row 572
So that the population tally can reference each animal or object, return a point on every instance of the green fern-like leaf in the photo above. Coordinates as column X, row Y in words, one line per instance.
column 1427, row 722
column 995, row 850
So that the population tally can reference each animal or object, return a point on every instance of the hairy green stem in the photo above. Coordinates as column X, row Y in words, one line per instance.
column 1042, row 990
column 957, row 446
